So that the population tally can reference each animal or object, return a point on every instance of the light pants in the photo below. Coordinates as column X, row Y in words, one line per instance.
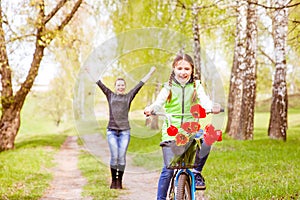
column 118, row 141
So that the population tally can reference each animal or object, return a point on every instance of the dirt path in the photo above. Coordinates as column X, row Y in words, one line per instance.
column 138, row 183
column 67, row 184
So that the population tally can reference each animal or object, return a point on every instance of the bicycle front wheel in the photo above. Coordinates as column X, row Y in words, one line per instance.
column 183, row 191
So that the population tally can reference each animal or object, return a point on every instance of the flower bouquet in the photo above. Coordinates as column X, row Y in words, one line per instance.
column 188, row 139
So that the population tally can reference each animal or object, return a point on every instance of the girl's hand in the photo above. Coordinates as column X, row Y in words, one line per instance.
column 148, row 111
column 216, row 108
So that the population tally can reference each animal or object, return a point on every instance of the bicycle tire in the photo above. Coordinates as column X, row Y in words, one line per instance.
column 183, row 191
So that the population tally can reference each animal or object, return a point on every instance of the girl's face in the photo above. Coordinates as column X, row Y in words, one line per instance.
column 120, row 87
column 183, row 71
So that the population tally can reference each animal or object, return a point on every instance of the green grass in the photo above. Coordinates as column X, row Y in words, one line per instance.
column 144, row 143
column 23, row 171
column 256, row 169
column 23, row 174
column 98, row 177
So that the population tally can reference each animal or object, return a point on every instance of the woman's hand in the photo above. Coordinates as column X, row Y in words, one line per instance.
column 152, row 70
column 147, row 77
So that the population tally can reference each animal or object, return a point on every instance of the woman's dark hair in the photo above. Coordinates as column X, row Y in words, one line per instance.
column 120, row 79
column 188, row 59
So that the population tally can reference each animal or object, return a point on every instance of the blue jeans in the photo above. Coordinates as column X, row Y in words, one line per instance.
column 166, row 174
column 118, row 141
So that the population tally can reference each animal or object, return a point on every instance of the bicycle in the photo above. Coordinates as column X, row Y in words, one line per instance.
column 182, row 186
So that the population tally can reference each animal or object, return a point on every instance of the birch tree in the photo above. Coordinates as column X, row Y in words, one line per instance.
column 243, row 79
column 279, row 106
column 249, row 86
column 237, row 73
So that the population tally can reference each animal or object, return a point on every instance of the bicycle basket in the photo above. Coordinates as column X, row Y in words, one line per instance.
column 184, row 155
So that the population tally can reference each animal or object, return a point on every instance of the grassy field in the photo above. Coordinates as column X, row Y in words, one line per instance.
column 256, row 169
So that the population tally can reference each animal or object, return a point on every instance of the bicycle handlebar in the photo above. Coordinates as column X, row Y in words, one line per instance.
column 168, row 116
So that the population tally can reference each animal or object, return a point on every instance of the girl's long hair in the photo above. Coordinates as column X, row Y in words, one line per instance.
column 188, row 59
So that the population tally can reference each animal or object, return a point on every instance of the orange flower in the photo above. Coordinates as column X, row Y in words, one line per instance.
column 181, row 139
column 191, row 127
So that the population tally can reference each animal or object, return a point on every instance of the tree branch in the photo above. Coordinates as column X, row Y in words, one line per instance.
column 273, row 7
column 179, row 3
column 69, row 16
column 266, row 55
column 5, row 70
column 54, row 11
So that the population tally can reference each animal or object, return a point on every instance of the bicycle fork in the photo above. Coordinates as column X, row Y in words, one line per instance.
column 192, row 182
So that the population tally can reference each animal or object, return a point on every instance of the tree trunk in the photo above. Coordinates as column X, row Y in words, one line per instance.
column 9, row 127
column 197, row 47
column 237, row 76
column 153, row 122
column 249, row 86
column 278, row 120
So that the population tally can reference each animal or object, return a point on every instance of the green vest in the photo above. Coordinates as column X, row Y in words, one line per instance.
column 180, row 103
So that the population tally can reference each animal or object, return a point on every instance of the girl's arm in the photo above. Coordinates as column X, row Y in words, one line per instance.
column 147, row 77
column 159, row 102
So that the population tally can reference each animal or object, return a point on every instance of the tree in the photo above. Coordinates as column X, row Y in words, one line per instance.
column 243, row 79
column 44, row 33
column 279, row 106
column 249, row 86
column 237, row 73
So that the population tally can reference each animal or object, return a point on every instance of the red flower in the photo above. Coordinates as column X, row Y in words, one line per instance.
column 197, row 111
column 181, row 139
column 219, row 134
column 208, row 140
column 209, row 129
column 191, row 127
column 211, row 135
column 172, row 130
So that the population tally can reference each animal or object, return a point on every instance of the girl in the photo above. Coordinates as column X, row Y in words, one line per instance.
column 177, row 97
column 118, row 129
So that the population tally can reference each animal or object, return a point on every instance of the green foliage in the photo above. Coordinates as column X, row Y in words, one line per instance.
column 293, row 36
column 214, row 23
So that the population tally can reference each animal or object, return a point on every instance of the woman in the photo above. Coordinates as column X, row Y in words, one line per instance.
column 177, row 97
column 118, row 128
